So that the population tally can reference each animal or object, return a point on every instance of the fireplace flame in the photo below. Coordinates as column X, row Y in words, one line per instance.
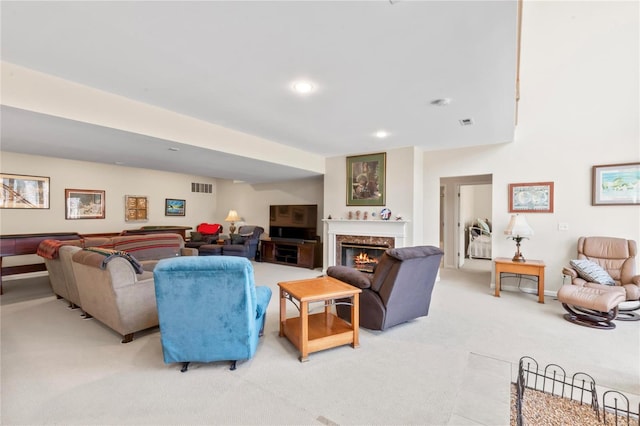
column 364, row 259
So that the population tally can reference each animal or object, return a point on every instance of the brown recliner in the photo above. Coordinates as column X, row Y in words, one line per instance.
column 617, row 256
column 398, row 291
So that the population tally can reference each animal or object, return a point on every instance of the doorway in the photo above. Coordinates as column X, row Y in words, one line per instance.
column 463, row 199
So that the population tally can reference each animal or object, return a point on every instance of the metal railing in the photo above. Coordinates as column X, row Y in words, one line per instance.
column 580, row 387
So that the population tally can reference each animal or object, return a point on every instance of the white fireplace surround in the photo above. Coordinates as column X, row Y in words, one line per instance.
column 395, row 229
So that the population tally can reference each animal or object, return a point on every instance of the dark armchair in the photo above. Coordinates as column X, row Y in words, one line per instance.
column 244, row 243
column 398, row 291
column 205, row 233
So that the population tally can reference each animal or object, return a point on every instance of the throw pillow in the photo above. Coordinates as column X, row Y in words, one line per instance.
column 237, row 239
column 196, row 237
column 484, row 225
column 592, row 272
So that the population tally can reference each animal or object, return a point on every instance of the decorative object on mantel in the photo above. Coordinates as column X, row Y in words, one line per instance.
column 357, row 214
column 398, row 217
column 366, row 180
column 329, row 217
column 518, row 229
column 385, row 214
column 616, row 184
column 364, row 217
column 350, row 215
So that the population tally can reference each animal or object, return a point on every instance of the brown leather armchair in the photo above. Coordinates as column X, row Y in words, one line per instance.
column 617, row 256
column 398, row 291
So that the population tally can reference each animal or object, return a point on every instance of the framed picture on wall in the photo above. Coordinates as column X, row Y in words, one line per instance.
column 84, row 204
column 24, row 192
column 173, row 207
column 534, row 197
column 366, row 179
column 135, row 208
column 616, row 184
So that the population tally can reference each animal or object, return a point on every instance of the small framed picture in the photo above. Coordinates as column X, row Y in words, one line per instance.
column 173, row 207
column 616, row 185
column 84, row 204
column 534, row 197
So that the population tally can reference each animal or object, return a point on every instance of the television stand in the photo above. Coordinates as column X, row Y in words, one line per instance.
column 305, row 254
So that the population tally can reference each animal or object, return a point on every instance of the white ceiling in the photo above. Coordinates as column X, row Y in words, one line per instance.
column 376, row 65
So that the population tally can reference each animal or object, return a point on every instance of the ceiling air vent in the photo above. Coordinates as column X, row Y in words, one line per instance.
column 466, row 121
column 207, row 188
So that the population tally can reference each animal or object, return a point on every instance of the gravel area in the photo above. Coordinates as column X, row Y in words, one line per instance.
column 542, row 409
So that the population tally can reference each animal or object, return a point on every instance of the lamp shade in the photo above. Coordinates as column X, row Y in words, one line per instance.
column 232, row 216
column 518, row 226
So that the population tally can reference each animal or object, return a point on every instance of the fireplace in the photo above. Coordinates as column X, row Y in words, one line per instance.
column 362, row 257
column 361, row 251
column 377, row 235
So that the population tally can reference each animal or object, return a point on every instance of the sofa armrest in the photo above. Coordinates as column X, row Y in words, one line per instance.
column 350, row 276
column 635, row 280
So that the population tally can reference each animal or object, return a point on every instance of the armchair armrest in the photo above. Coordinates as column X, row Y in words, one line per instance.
column 349, row 276
column 570, row 272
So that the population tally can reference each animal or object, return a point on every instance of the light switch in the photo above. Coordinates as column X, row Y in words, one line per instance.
column 563, row 226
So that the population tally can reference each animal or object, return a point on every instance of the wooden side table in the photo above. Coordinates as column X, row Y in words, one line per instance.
column 529, row 267
column 324, row 330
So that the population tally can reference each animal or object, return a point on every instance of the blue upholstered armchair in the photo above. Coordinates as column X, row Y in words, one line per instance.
column 209, row 309
column 244, row 243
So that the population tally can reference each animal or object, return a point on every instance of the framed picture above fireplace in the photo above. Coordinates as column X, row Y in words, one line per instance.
column 366, row 179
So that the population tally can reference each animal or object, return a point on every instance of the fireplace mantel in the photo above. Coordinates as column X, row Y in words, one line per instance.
column 377, row 228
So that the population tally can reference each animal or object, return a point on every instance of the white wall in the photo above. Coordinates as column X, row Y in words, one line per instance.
column 578, row 108
column 403, row 186
column 252, row 201
column 117, row 182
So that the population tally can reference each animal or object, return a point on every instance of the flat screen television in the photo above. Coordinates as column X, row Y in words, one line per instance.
column 293, row 222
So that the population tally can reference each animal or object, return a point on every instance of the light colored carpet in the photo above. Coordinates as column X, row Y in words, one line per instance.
column 452, row 367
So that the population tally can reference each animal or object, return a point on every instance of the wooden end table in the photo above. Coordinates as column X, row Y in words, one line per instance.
column 324, row 330
column 529, row 267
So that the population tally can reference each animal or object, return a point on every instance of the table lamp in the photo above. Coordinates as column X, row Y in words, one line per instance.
column 232, row 217
column 518, row 229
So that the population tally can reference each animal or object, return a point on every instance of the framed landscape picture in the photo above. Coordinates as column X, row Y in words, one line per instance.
column 366, row 180
column 173, row 207
column 534, row 197
column 616, row 184
column 24, row 192
column 84, row 204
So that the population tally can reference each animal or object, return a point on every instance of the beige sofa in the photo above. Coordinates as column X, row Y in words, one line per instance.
column 76, row 276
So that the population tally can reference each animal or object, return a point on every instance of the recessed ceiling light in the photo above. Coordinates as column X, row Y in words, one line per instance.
column 441, row 102
column 303, row 87
column 381, row 134
column 466, row 121
column 174, row 149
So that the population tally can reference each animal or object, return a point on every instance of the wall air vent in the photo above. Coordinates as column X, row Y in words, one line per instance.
column 466, row 121
column 206, row 188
